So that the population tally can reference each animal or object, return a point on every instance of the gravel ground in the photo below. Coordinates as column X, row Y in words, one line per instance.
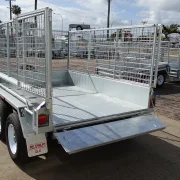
column 149, row 157
column 168, row 101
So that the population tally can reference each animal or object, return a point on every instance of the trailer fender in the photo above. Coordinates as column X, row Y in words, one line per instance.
column 18, row 106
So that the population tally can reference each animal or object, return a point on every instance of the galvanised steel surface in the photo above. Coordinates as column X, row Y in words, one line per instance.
column 25, row 51
column 3, row 49
column 174, row 55
column 164, row 51
column 93, row 136
column 73, row 104
column 97, row 79
column 128, row 53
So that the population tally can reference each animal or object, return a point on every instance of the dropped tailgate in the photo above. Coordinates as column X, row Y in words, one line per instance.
column 97, row 135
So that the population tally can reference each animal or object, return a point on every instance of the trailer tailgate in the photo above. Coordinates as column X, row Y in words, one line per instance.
column 97, row 135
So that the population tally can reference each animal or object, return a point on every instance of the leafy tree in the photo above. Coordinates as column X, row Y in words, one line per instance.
column 16, row 10
column 173, row 28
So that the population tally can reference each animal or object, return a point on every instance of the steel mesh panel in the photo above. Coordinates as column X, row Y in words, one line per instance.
column 3, row 48
column 119, row 53
column 31, row 53
column 59, row 50
column 13, row 63
column 164, row 51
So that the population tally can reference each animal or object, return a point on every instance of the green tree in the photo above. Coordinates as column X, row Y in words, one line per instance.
column 173, row 28
column 16, row 10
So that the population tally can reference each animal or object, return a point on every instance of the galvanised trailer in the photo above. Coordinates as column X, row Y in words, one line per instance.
column 168, row 60
column 65, row 98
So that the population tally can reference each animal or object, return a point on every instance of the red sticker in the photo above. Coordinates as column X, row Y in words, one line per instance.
column 37, row 147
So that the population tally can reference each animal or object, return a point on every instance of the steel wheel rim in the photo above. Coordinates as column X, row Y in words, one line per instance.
column 160, row 79
column 12, row 139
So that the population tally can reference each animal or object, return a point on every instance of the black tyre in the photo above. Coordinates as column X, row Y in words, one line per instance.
column 160, row 79
column 15, row 140
column 5, row 110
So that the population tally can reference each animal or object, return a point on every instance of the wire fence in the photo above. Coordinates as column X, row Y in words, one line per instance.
column 3, row 49
column 119, row 53
column 25, row 50
column 30, row 50
column 59, row 50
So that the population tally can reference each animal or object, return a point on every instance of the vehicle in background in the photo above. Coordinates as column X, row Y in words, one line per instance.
column 79, row 26
column 59, row 53
column 168, row 63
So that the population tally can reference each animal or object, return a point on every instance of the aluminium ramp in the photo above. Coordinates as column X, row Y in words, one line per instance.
column 97, row 135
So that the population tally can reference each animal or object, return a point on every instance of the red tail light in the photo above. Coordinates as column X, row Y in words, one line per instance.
column 43, row 119
column 152, row 101
column 2, row 98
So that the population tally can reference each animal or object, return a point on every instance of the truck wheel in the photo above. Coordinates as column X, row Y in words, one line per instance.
column 160, row 80
column 4, row 112
column 15, row 141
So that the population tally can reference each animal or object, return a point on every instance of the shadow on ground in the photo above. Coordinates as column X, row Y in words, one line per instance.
column 168, row 88
column 146, row 157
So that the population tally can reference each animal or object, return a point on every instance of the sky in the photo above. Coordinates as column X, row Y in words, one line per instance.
column 94, row 12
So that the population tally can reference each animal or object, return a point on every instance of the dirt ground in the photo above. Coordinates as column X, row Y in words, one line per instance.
column 150, row 157
column 168, row 101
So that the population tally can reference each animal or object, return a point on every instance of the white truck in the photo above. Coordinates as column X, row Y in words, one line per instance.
column 42, row 99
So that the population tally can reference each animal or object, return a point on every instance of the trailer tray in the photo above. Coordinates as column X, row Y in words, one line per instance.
column 73, row 104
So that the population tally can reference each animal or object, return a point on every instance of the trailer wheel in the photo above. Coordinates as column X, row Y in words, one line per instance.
column 160, row 80
column 15, row 140
column 4, row 112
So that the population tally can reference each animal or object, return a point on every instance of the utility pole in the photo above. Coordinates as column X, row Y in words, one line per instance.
column 10, row 8
column 35, row 5
column 108, row 17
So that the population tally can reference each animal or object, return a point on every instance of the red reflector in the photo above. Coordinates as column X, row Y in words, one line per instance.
column 152, row 103
column 42, row 119
column 2, row 98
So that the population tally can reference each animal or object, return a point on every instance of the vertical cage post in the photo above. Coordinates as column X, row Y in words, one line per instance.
column 24, row 43
column 17, row 48
column 89, row 50
column 153, row 56
column 68, row 54
column 116, row 46
column 158, row 54
column 48, row 51
column 168, row 52
column 8, row 51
